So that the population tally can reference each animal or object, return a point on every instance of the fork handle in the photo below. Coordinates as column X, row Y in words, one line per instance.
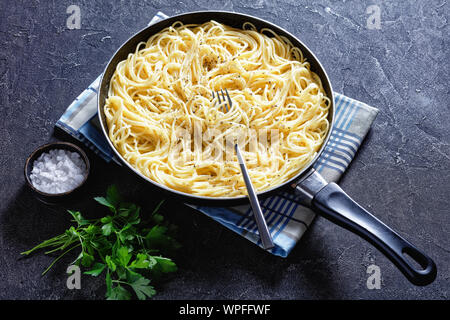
column 264, row 233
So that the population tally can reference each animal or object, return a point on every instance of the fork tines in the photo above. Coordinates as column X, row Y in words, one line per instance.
column 230, row 103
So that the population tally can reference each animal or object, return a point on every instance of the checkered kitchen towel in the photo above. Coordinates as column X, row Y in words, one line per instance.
column 287, row 219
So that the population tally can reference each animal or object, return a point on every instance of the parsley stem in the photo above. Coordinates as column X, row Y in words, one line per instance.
column 48, row 243
column 118, row 281
column 66, row 244
column 54, row 261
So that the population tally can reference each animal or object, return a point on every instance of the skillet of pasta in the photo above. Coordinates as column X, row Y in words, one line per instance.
column 163, row 120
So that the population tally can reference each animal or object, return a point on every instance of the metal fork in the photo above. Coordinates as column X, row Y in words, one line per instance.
column 264, row 233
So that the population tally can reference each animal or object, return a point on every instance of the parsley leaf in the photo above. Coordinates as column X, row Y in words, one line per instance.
column 123, row 256
column 165, row 265
column 96, row 269
column 105, row 202
column 119, row 293
column 112, row 195
column 107, row 229
column 142, row 289
column 141, row 262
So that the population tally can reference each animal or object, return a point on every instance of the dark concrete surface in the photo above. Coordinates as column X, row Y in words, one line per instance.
column 401, row 173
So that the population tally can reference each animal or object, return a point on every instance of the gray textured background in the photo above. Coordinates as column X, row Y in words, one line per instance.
column 401, row 172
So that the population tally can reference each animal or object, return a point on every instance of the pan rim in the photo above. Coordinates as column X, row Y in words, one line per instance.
column 198, row 198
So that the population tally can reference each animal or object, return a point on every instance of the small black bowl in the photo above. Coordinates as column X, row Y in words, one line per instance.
column 51, row 198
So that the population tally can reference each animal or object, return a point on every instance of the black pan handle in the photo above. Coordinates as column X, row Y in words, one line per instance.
column 330, row 201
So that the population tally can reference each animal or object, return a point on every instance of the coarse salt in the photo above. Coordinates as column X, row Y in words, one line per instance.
column 58, row 171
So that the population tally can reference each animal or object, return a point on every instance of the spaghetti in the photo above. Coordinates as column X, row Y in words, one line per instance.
column 279, row 113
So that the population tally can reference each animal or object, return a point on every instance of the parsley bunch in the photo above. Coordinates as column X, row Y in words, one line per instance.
column 122, row 246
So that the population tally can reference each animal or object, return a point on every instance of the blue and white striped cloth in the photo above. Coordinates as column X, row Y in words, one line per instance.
column 286, row 218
